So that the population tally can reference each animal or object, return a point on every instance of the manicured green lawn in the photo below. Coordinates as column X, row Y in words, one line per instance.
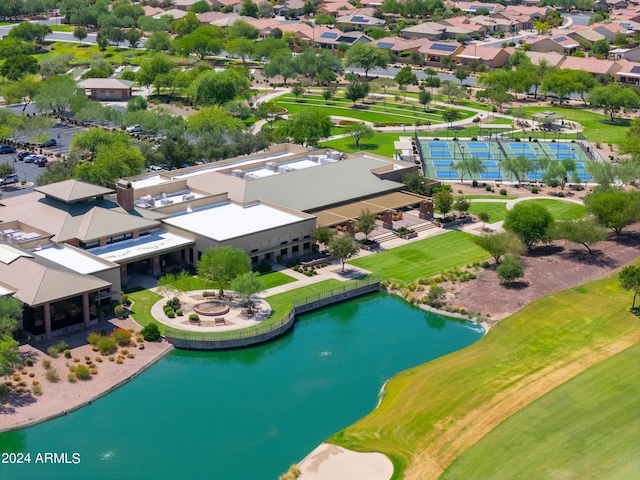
column 596, row 126
column 143, row 300
column 489, row 197
column 62, row 28
column 500, row 121
column 420, row 420
column 587, row 427
column 562, row 210
column 496, row 211
column 381, row 143
column 275, row 279
column 423, row 258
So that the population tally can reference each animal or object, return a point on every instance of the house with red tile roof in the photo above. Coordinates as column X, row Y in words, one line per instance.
column 489, row 56
column 593, row 65
column 629, row 73
column 563, row 44
column 434, row 52
column 398, row 45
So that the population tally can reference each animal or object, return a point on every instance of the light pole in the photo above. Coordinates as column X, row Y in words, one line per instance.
column 59, row 145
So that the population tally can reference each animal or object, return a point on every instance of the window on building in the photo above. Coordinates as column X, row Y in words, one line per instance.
column 283, row 252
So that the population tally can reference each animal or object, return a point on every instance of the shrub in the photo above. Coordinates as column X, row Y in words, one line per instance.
column 118, row 310
column 503, row 191
column 61, row 346
column 37, row 390
column 106, row 345
column 534, row 189
column 125, row 299
column 122, row 336
column 193, row 316
column 83, row 373
column 487, row 188
column 119, row 361
column 171, row 314
column 99, row 359
column 474, row 183
column 94, row 371
column 111, row 358
column 52, row 376
column 76, row 359
column 71, row 378
column 150, row 332
column 93, row 338
column 52, row 351
column 175, row 302
column 29, row 362
column 179, row 312
column 561, row 194
column 67, row 353
column 46, row 364
column 141, row 346
column 265, row 266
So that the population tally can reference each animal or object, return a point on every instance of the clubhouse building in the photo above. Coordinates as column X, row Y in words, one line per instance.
column 68, row 248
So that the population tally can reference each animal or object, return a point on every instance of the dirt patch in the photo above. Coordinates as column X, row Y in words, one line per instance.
column 548, row 269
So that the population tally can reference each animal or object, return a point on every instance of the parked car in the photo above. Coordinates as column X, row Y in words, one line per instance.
column 21, row 155
column 41, row 161
column 9, row 179
column 7, row 149
column 134, row 129
column 48, row 143
column 30, row 158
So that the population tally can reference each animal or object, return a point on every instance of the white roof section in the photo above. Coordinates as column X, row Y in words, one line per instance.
column 149, row 181
column 156, row 243
column 173, row 198
column 8, row 254
column 74, row 259
column 5, row 291
column 273, row 168
column 224, row 221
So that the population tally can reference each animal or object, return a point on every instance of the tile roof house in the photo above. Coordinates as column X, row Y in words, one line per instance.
column 107, row 88
column 359, row 21
column 234, row 5
column 398, row 45
column 331, row 38
column 488, row 56
column 594, row 66
column 561, row 44
column 334, row 8
column 427, row 30
column 552, row 58
column 632, row 54
column 174, row 12
column 629, row 73
column 434, row 52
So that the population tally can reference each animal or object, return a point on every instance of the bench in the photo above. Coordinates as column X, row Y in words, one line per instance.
column 219, row 321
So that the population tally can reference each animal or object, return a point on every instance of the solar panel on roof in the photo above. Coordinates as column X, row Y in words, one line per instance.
column 359, row 19
column 473, row 8
column 329, row 35
column 626, row 25
column 635, row 70
column 532, row 37
column 443, row 47
column 385, row 45
column 561, row 39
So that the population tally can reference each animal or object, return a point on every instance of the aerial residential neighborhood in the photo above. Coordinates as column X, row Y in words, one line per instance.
column 321, row 240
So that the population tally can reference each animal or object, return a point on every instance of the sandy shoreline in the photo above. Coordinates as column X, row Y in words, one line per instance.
column 21, row 410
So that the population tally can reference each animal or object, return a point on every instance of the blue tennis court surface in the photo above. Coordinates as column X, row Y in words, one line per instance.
column 481, row 155
column 489, row 164
column 519, row 146
column 440, row 154
column 477, row 145
column 558, row 146
column 438, row 144
column 535, row 176
column 530, row 155
column 491, row 176
column 580, row 166
column 585, row 177
column 562, row 156
column 448, row 175
column 441, row 163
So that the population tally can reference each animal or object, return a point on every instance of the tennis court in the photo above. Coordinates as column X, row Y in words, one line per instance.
column 440, row 158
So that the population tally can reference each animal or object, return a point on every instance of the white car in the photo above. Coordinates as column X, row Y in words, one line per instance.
column 134, row 129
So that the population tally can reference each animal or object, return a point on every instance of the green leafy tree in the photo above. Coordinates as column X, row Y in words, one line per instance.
column 201, row 6
column 240, row 47
column 415, row 183
column 406, row 77
column 499, row 244
column 383, row 83
column 268, row 111
column 323, row 235
column 80, row 33
column 328, row 93
column 218, row 88
column 57, row 94
column 366, row 222
column 531, row 222
column 221, row 265
column 613, row 208
column 358, row 131
column 600, row 47
column 461, row 75
column 187, row 24
column 133, row 36
column 308, row 127
column 443, row 202
column 469, row 166
column 343, row 247
column 15, row 68
column 247, row 284
column 158, row 42
column 629, row 278
column 424, row 98
column 613, row 98
column 241, row 29
column 10, row 358
column 366, row 56
column 213, row 127
column 265, row 10
column 297, row 89
column 356, row 91
column 110, row 164
column 21, row 91
column 518, row 167
column 10, row 312
column 510, row 269
column 461, row 204
column 249, row 9
column 280, row 64
column 585, row 231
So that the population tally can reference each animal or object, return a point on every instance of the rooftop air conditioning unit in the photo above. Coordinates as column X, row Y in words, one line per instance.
column 335, row 155
column 188, row 196
column 313, row 158
column 273, row 166
column 166, row 201
column 238, row 173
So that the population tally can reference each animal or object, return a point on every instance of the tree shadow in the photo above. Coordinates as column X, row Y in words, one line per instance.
column 627, row 239
column 596, row 258
column 635, row 311
column 544, row 251
column 519, row 285
column 365, row 146
column 11, row 402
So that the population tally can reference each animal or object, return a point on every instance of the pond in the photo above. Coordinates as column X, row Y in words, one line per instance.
column 243, row 414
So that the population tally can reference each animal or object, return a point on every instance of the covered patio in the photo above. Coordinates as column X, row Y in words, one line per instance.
column 546, row 120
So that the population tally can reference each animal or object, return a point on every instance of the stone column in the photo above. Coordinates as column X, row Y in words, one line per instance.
column 47, row 319
column 387, row 220
column 349, row 229
column 156, row 265
column 85, row 309
column 426, row 210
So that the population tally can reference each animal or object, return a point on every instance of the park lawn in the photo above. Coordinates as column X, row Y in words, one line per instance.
column 381, row 143
column 143, row 300
column 275, row 279
column 500, row 121
column 561, row 210
column 488, row 197
column 62, row 28
column 497, row 211
column 423, row 258
column 587, row 427
column 596, row 126
column 432, row 413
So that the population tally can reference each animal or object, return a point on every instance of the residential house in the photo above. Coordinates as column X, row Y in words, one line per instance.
column 221, row 19
column 461, row 25
column 174, row 13
column 632, row 54
column 292, row 7
column 334, row 8
column 629, row 73
column 492, row 25
column 434, row 52
column 184, row 5
column 489, row 56
column 230, row 5
column 359, row 21
column 427, row 30
column 473, row 7
column 331, row 38
column 553, row 59
column 398, row 45
column 561, row 44
column 151, row 11
column 593, row 65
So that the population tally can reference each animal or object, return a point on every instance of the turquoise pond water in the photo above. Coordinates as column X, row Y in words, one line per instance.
column 243, row 414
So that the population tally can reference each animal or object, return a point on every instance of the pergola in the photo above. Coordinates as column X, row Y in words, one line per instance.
column 547, row 118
